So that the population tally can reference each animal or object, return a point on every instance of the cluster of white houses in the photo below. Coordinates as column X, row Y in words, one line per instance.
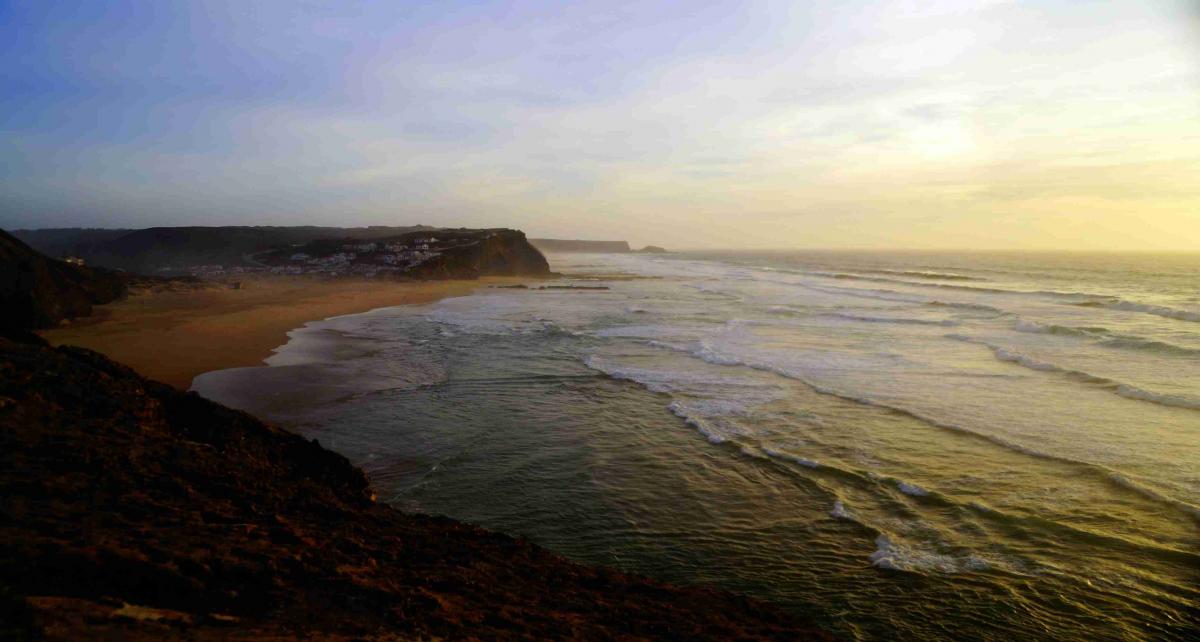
column 360, row 259
column 365, row 259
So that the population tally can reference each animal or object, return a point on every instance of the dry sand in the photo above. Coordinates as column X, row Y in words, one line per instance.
column 172, row 336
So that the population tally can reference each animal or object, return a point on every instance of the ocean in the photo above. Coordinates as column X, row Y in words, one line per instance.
column 898, row 445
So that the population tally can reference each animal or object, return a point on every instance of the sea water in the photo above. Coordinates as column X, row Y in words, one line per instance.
column 904, row 445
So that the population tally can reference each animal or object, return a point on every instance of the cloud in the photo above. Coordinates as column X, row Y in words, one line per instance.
column 645, row 119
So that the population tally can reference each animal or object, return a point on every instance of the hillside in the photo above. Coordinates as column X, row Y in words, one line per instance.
column 68, row 241
column 420, row 252
column 133, row 511
column 436, row 254
column 39, row 292
column 176, row 249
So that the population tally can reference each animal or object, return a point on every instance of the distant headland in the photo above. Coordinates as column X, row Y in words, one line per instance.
column 596, row 247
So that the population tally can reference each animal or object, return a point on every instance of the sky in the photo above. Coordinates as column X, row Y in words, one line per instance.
column 972, row 124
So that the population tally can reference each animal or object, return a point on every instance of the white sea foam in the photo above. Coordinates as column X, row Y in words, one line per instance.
column 710, row 407
column 1175, row 401
column 485, row 316
column 893, row 556
column 839, row 511
column 1157, row 310
column 640, row 331
column 713, row 436
column 709, row 417
column 911, row 489
column 1034, row 327
column 899, row 320
column 1028, row 362
column 944, row 276
column 1111, row 340
column 706, row 352
column 797, row 352
column 1123, row 389
column 1150, row 346
column 807, row 463
column 717, row 358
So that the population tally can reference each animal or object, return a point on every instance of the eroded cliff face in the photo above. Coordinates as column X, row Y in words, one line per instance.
column 491, row 253
column 130, row 510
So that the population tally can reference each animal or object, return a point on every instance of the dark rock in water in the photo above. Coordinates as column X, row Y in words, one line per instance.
column 573, row 287
column 130, row 510
column 40, row 292
column 653, row 249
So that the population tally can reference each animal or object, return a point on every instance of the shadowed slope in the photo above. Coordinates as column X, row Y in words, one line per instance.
column 39, row 292
column 131, row 510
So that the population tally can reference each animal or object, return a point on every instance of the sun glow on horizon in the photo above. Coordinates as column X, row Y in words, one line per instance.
column 943, row 124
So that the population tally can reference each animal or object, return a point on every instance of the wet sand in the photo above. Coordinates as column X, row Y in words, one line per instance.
column 172, row 336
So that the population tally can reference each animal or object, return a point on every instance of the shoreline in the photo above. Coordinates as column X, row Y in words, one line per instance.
column 174, row 336
column 245, row 531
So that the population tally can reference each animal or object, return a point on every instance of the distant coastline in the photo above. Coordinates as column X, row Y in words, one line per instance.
column 568, row 246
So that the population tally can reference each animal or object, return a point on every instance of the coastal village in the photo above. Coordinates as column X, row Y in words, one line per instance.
column 369, row 259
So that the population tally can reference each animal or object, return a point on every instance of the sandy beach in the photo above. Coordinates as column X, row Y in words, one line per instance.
column 172, row 336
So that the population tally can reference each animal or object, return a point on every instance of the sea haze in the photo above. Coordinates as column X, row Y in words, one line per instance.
column 920, row 445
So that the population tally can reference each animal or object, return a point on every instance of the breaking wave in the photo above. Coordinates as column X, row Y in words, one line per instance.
column 1149, row 345
column 940, row 276
column 901, row 320
column 895, row 556
column 1110, row 340
column 710, row 355
column 1144, row 308
column 1123, row 389
column 1033, row 327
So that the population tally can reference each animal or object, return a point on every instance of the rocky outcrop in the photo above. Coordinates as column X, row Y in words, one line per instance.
column 653, row 249
column 39, row 292
column 484, row 253
column 569, row 245
column 130, row 510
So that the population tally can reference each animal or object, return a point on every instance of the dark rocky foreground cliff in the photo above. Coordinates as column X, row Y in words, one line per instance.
column 130, row 510
column 39, row 292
